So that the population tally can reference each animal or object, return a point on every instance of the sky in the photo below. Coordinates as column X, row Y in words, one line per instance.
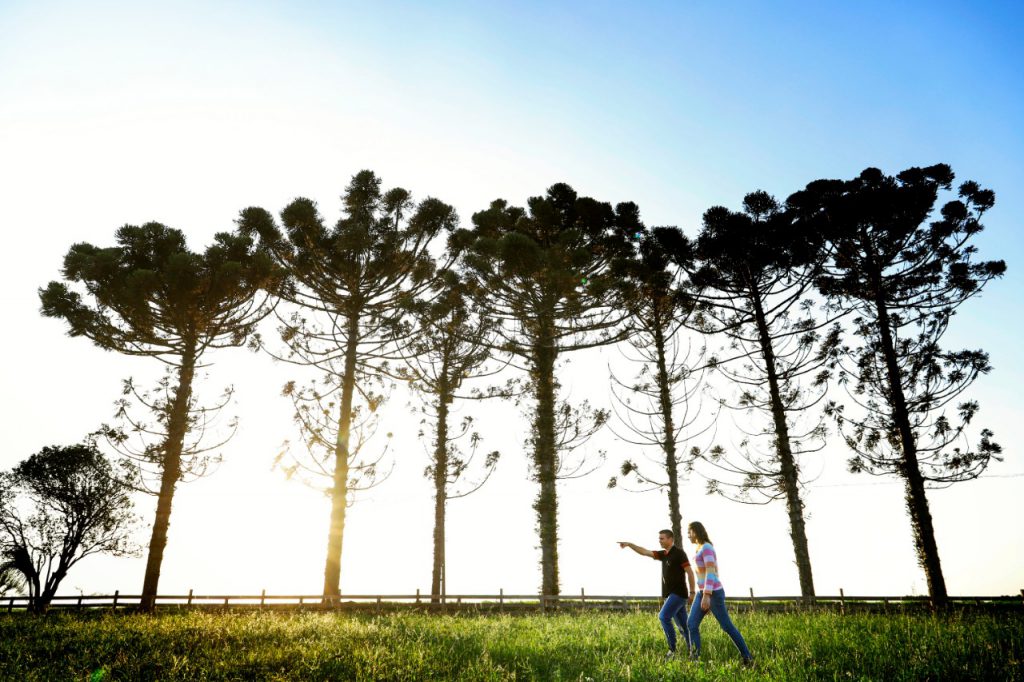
column 115, row 113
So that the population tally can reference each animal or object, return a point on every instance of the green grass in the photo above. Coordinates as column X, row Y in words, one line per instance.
column 566, row 646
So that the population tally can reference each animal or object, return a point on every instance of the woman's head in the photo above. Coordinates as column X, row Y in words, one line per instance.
column 698, row 534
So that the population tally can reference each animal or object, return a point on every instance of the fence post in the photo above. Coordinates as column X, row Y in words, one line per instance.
column 116, row 594
column 10, row 604
column 378, row 604
column 417, row 595
column 501, row 596
column 583, row 597
column 842, row 602
column 753, row 602
column 263, row 597
column 189, row 597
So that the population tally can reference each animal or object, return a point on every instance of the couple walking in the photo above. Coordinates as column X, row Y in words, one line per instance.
column 675, row 574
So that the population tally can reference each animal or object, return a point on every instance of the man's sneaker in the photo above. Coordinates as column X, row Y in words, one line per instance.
column 670, row 656
column 748, row 662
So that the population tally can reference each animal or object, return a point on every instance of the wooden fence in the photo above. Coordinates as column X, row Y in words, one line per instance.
column 500, row 601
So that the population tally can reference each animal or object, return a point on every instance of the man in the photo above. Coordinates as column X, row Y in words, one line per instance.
column 675, row 575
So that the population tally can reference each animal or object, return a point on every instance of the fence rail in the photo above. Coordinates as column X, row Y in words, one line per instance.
column 500, row 600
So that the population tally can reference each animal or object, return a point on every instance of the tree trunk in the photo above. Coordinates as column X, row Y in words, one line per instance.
column 437, row 587
column 339, row 492
column 544, row 458
column 45, row 597
column 788, row 469
column 668, row 445
column 916, row 498
column 34, row 593
column 177, row 427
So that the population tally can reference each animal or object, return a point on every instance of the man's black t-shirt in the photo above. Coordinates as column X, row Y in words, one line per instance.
column 673, row 577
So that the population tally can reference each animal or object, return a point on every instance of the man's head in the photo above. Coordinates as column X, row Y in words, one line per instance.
column 666, row 538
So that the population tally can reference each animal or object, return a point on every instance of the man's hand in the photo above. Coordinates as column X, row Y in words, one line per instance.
column 623, row 545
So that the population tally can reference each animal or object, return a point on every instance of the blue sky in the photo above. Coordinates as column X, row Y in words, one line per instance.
column 117, row 112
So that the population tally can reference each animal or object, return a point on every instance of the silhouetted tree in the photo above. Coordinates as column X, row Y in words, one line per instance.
column 903, row 278
column 150, row 295
column 11, row 579
column 749, row 275
column 452, row 343
column 546, row 275
column 57, row 507
column 355, row 281
column 663, row 406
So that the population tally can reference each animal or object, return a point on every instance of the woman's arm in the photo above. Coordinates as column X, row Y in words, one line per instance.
column 710, row 575
column 710, row 571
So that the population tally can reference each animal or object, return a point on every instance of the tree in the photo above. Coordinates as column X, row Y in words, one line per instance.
column 11, row 579
column 353, row 284
column 903, row 278
column 151, row 296
column 749, row 274
column 79, row 506
column 664, row 401
column 545, row 275
column 451, row 344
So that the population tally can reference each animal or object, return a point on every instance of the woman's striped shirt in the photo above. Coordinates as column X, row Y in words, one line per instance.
column 707, row 569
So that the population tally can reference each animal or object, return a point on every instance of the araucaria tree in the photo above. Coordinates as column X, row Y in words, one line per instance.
column 903, row 278
column 749, row 274
column 663, row 406
column 353, row 283
column 452, row 343
column 150, row 295
column 57, row 507
column 545, row 275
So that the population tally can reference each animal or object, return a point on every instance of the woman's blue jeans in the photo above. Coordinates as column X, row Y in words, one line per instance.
column 674, row 608
column 722, row 616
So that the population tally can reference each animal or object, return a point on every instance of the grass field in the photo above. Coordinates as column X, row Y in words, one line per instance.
column 566, row 646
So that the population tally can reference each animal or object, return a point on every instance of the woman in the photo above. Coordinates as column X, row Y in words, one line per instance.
column 713, row 598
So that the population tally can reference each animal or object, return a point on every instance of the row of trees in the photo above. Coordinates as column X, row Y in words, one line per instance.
column 376, row 298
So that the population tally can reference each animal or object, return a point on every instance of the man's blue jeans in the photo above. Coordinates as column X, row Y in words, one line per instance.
column 722, row 616
column 674, row 608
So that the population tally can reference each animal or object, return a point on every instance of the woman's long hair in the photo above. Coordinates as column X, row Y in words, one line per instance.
column 698, row 529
